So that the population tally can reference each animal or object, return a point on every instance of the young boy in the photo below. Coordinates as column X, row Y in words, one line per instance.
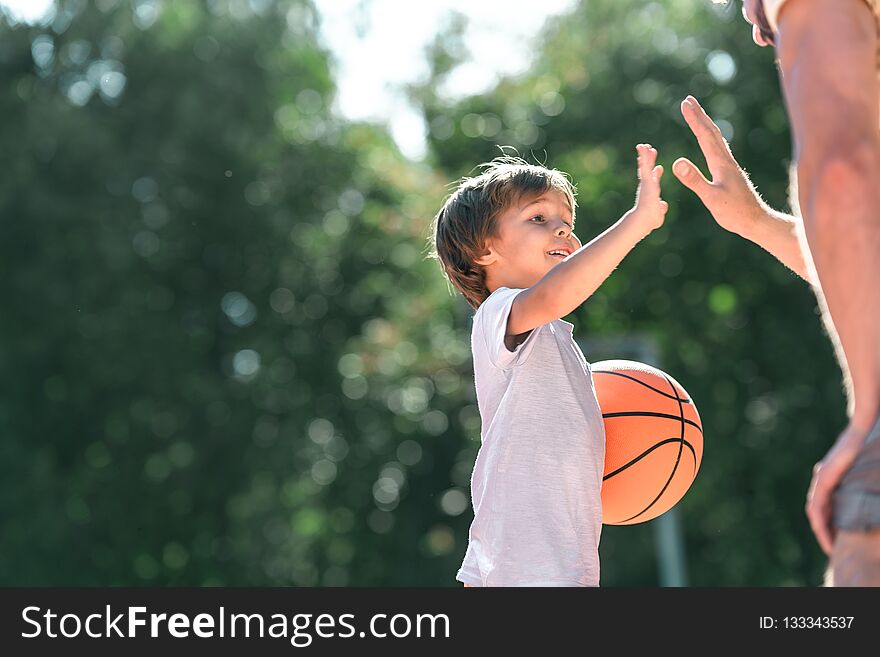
column 505, row 240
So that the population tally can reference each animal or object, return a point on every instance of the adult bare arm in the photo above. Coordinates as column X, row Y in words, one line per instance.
column 827, row 59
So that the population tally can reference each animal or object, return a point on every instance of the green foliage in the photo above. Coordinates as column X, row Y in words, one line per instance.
column 190, row 257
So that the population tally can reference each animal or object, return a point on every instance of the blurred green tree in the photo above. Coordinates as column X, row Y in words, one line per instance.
column 195, row 248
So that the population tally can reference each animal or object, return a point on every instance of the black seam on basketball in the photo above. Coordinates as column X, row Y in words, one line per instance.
column 632, row 378
column 651, row 449
column 647, row 414
column 677, row 459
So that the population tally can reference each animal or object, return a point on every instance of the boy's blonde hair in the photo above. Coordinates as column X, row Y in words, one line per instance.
column 469, row 217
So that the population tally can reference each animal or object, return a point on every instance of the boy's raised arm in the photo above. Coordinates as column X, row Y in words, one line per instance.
column 575, row 279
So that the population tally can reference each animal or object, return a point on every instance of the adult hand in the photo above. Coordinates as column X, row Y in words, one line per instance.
column 827, row 474
column 730, row 197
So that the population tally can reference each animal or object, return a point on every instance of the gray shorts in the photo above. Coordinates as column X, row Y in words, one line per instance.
column 857, row 499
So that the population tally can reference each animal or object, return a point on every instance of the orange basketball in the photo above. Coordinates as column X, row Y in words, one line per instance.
column 653, row 440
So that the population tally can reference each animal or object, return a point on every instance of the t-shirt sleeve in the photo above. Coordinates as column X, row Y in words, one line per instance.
column 490, row 326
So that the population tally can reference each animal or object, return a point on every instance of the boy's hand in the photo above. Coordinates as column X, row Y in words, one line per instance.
column 730, row 197
column 650, row 209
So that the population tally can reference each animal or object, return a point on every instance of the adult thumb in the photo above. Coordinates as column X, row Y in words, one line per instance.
column 691, row 177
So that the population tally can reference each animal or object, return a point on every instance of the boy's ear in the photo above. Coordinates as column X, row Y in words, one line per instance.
column 489, row 256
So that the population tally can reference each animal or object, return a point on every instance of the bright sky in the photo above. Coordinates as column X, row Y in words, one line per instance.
column 27, row 10
column 389, row 52
column 379, row 45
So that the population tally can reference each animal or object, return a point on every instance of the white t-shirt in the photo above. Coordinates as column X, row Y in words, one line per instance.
column 537, row 478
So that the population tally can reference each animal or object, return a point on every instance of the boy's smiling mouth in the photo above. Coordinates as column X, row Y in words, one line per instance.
column 559, row 253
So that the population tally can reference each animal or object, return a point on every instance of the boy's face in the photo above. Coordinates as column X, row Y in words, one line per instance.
column 527, row 232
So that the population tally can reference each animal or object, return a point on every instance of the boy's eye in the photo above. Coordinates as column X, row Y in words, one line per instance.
column 540, row 217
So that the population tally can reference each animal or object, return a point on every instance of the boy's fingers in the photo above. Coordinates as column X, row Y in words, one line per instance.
column 692, row 178
column 641, row 162
column 657, row 173
column 647, row 158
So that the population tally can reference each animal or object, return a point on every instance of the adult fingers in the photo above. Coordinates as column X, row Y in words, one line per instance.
column 692, row 178
column 708, row 135
column 819, row 510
